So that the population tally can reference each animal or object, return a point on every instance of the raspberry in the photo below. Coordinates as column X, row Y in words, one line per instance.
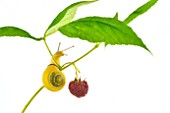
column 78, row 88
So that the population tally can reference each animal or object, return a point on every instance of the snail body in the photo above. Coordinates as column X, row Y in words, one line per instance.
column 57, row 56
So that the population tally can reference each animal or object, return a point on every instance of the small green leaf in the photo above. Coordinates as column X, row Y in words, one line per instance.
column 14, row 31
column 99, row 29
column 65, row 17
column 144, row 8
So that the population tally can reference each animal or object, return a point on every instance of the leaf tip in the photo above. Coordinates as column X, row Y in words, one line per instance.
column 116, row 16
column 150, row 52
column 94, row 0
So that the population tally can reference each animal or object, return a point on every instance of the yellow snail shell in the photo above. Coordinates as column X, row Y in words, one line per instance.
column 53, row 79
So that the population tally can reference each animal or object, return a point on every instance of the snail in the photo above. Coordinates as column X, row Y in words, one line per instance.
column 54, row 79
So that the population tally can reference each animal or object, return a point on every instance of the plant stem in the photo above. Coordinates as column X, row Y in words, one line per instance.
column 77, row 71
column 96, row 46
column 60, row 68
column 31, row 99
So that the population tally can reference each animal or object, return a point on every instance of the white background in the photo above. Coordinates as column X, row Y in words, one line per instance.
column 122, row 79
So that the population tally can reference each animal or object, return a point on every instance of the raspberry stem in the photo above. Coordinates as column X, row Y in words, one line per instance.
column 77, row 71
column 96, row 46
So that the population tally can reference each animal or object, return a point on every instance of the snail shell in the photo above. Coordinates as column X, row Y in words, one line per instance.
column 53, row 79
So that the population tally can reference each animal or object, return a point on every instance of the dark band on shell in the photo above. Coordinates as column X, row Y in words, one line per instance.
column 56, row 79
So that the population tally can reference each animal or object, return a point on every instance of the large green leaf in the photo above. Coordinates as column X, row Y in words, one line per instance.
column 100, row 29
column 144, row 8
column 14, row 31
column 65, row 17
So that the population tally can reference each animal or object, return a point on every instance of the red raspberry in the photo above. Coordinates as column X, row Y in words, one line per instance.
column 78, row 88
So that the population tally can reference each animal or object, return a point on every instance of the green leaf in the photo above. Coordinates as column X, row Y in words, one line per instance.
column 14, row 31
column 65, row 17
column 144, row 8
column 100, row 29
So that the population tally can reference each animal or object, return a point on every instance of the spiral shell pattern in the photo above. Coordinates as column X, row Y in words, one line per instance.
column 53, row 78
column 56, row 79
